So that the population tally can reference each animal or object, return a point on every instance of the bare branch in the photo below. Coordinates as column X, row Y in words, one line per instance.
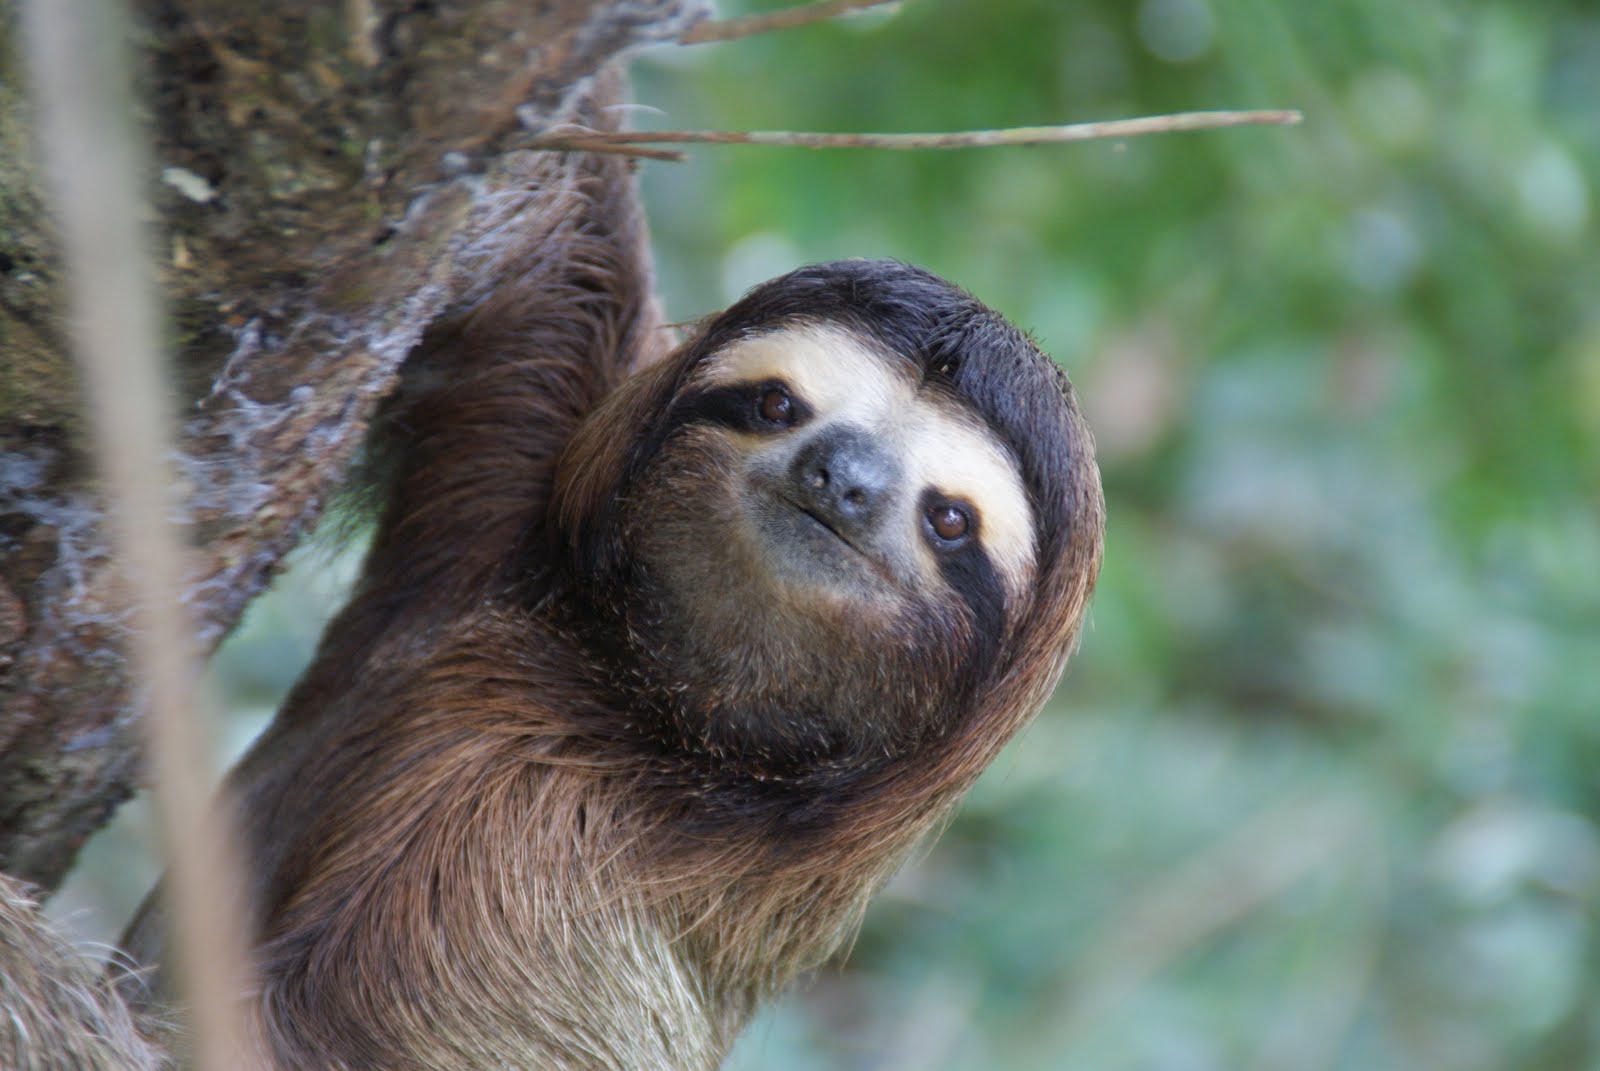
column 625, row 141
column 641, row 152
column 786, row 19
column 80, row 82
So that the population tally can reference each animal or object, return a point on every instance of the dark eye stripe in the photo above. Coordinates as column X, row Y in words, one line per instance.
column 739, row 406
column 972, row 576
column 966, row 567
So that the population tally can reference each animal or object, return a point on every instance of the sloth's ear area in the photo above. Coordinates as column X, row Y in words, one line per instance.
column 610, row 448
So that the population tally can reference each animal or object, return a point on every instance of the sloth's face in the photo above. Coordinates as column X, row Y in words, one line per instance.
column 854, row 478
column 823, row 526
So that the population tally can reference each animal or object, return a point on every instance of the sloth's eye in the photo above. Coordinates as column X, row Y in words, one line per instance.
column 951, row 523
column 776, row 407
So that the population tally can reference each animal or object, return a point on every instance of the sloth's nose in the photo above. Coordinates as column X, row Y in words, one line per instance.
column 845, row 480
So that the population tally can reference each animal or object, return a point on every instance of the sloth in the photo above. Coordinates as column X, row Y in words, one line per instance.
column 660, row 663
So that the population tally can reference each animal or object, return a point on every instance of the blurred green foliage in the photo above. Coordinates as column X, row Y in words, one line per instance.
column 1321, row 788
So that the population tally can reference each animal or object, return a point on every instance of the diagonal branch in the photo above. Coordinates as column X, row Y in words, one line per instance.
column 569, row 139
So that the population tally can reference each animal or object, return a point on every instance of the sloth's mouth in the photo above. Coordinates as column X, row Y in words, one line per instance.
column 806, row 544
column 811, row 521
column 825, row 526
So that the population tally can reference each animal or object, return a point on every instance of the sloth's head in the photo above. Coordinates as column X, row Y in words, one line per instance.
column 828, row 527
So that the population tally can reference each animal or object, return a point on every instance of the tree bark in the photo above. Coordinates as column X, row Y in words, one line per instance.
column 326, row 180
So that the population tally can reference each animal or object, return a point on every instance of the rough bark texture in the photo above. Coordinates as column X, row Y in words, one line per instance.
column 320, row 170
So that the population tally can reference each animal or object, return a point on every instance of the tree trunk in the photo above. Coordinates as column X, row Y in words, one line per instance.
column 326, row 179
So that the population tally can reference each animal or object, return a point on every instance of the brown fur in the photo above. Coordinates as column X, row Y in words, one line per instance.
column 56, row 1012
column 501, row 822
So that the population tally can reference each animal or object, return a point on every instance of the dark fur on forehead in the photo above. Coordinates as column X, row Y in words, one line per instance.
column 903, row 307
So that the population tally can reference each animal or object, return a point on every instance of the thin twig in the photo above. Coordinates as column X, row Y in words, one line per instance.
column 624, row 141
column 643, row 153
column 95, row 165
column 787, row 19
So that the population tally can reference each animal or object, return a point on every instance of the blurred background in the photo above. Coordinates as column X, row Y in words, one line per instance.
column 1321, row 788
